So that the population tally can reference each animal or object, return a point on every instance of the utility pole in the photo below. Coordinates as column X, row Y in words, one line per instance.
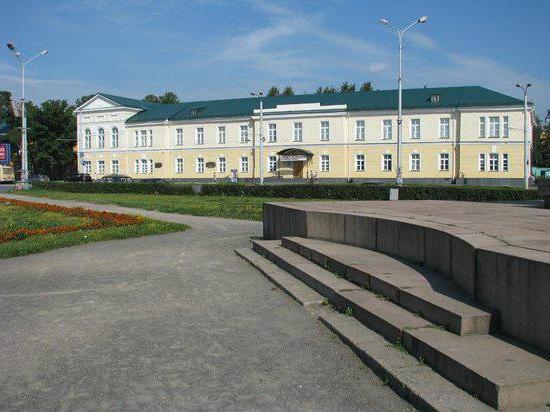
column 260, row 96
column 400, row 33
column 526, row 151
column 24, row 151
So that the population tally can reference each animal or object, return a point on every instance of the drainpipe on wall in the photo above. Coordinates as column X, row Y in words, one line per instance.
column 346, row 119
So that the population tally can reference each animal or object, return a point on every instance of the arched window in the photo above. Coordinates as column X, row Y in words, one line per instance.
column 114, row 137
column 101, row 138
column 87, row 139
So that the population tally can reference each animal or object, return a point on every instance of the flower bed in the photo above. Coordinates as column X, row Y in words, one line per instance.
column 98, row 220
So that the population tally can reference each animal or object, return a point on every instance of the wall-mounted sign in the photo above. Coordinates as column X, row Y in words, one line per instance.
column 293, row 158
column 210, row 165
column 5, row 153
column 158, row 165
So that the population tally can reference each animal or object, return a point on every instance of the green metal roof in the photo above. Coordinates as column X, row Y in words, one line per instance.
column 465, row 96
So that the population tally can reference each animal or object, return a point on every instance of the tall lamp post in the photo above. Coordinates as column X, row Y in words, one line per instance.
column 526, row 151
column 400, row 33
column 260, row 95
column 24, row 154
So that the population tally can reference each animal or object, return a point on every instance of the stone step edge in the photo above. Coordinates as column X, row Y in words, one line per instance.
column 419, row 385
column 294, row 288
column 399, row 337
column 455, row 321
column 412, row 380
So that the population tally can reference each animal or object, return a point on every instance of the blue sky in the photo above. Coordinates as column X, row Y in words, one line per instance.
column 206, row 49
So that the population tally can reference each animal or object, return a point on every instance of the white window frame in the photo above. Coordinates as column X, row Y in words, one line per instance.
column 387, row 129
column 272, row 163
column 324, row 131
column 114, row 137
column 444, row 162
column 244, row 164
column 360, row 130
column 143, row 138
column 87, row 139
column 199, row 135
column 243, row 133
column 179, row 165
column 151, row 166
column 179, row 136
column 494, row 159
column 482, row 162
column 324, row 163
column 272, row 132
column 136, row 138
column 150, row 138
column 199, row 164
column 360, row 163
column 387, row 160
column 144, row 166
column 222, row 164
column 101, row 138
column 444, row 127
column 415, row 162
column 221, row 135
column 87, row 166
column 505, row 159
column 494, row 126
column 101, row 167
column 297, row 132
column 505, row 126
column 136, row 166
column 482, row 126
column 415, row 128
column 115, row 167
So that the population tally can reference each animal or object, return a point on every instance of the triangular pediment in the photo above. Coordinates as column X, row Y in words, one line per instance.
column 98, row 102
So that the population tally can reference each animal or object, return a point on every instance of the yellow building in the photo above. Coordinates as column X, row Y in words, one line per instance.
column 470, row 135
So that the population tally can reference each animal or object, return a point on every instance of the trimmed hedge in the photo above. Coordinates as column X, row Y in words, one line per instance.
column 305, row 191
column 98, row 187
column 374, row 192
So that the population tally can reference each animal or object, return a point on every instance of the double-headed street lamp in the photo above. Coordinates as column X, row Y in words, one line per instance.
column 24, row 154
column 526, row 151
column 261, row 95
column 400, row 33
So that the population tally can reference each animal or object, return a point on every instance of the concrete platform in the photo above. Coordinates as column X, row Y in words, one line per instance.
column 499, row 254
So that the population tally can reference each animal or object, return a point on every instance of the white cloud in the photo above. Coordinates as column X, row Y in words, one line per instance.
column 421, row 40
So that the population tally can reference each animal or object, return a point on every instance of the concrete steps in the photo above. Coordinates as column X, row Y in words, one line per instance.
column 416, row 289
column 498, row 373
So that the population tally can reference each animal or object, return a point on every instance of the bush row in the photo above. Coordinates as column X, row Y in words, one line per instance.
column 97, row 187
column 304, row 191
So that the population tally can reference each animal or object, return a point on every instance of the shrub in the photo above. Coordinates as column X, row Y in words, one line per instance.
column 98, row 187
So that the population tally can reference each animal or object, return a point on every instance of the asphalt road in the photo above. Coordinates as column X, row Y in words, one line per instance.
column 175, row 321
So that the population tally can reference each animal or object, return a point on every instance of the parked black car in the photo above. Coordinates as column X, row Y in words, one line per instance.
column 116, row 179
column 79, row 177
column 153, row 180
column 39, row 178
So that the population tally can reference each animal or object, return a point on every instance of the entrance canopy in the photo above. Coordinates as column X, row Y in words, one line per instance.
column 294, row 155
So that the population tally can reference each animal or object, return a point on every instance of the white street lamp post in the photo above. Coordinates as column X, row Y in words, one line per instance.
column 526, row 151
column 400, row 33
column 260, row 95
column 24, row 152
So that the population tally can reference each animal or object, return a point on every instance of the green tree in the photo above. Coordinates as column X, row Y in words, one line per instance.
column 52, row 138
column 288, row 91
column 166, row 98
column 7, row 115
column 80, row 101
column 151, row 98
column 540, row 150
column 169, row 98
column 273, row 91
column 366, row 87
column 347, row 87
column 325, row 90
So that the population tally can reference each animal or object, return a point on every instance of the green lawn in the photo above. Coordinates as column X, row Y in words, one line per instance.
column 19, row 217
column 232, row 207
